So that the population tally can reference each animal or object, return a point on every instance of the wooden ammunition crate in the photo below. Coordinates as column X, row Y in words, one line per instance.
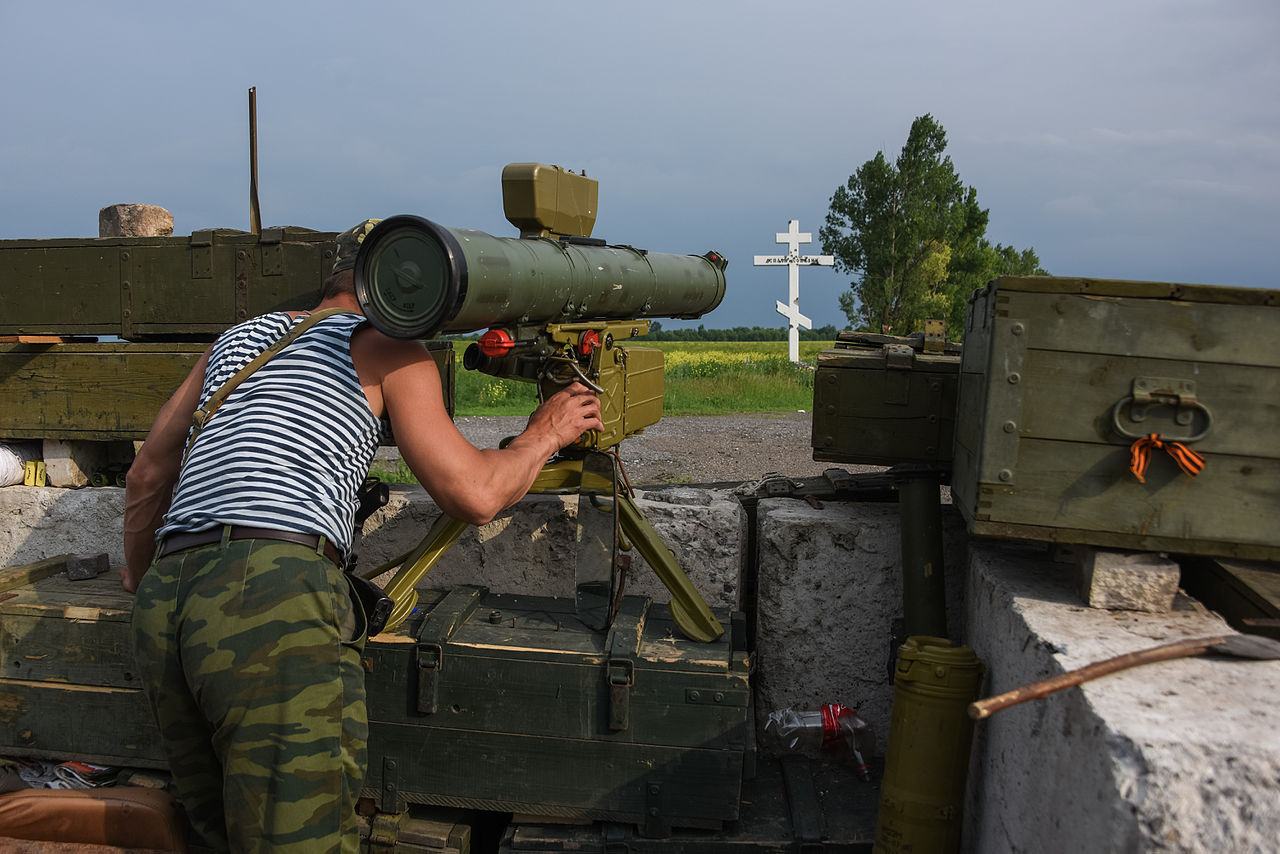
column 68, row 687
column 790, row 806
column 109, row 391
column 1059, row 378
column 886, row 400
column 158, row 287
column 510, row 704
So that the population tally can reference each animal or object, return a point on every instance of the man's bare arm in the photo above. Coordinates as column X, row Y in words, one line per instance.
column 470, row 484
column 149, row 487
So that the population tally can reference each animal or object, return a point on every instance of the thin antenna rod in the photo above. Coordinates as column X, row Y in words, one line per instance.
column 255, row 216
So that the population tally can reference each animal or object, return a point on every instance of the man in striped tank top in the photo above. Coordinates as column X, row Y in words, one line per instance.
column 245, row 628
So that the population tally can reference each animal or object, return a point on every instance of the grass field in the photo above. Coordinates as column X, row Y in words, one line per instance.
column 701, row 378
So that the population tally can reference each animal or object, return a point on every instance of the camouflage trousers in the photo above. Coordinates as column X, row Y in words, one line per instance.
column 248, row 658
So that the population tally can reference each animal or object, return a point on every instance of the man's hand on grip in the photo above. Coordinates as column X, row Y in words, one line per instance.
column 567, row 414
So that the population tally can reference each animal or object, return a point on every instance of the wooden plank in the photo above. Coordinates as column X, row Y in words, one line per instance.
column 88, row 391
column 1224, row 294
column 1240, row 591
column 1152, row 329
column 20, row 576
column 515, row 773
column 767, row 823
column 1075, row 488
column 55, row 595
column 1069, row 396
column 157, row 286
column 112, row 726
column 75, row 651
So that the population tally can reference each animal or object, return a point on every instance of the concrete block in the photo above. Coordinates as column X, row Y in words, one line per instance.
column 1175, row 756
column 70, row 464
column 829, row 588
column 1132, row 581
column 529, row 548
column 41, row 522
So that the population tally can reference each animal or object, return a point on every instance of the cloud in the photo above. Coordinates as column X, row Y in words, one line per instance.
column 1076, row 206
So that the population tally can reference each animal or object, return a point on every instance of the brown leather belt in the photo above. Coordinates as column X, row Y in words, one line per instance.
column 178, row 542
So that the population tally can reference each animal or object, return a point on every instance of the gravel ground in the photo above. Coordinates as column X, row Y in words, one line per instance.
column 696, row 449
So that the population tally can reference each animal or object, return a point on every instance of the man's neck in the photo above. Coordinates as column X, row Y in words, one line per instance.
column 343, row 300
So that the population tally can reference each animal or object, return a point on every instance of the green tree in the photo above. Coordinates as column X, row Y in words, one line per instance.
column 914, row 235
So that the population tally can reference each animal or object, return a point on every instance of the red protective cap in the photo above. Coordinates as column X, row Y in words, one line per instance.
column 589, row 341
column 496, row 342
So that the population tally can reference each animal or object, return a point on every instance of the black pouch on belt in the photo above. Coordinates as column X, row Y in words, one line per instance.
column 375, row 603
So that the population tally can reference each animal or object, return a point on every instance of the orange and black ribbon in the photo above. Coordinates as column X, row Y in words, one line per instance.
column 1140, row 455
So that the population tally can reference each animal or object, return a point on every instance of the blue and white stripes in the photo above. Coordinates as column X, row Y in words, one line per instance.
column 289, row 448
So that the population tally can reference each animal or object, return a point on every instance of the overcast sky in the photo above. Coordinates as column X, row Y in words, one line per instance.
column 1132, row 139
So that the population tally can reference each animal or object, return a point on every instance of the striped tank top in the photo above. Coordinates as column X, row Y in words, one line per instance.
column 291, row 445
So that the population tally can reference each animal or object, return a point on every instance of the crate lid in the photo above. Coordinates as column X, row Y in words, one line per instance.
column 1233, row 295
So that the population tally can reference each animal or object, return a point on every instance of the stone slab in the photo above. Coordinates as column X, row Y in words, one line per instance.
column 41, row 522
column 1176, row 756
column 529, row 547
column 526, row 549
column 829, row 590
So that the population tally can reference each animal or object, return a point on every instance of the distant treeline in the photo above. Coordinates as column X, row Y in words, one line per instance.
column 737, row 333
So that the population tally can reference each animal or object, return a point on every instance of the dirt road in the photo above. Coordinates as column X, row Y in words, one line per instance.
column 696, row 449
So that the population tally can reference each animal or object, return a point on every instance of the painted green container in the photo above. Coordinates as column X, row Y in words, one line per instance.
column 1059, row 378
column 509, row 703
column 885, row 400
column 930, row 732
column 68, row 681
column 158, row 287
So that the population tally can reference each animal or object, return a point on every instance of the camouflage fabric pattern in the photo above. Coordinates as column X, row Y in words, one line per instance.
column 268, row 744
column 347, row 244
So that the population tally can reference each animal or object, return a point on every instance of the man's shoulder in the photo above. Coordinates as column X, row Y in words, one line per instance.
column 375, row 347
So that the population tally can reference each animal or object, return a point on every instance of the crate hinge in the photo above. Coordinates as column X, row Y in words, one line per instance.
column 243, row 265
column 391, row 800
column 127, row 285
column 202, row 254
column 656, row 823
column 269, row 242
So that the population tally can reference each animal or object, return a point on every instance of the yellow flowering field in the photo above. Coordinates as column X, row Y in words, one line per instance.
column 701, row 378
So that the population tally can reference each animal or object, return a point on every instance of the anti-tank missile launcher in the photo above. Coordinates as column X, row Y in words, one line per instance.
column 556, row 301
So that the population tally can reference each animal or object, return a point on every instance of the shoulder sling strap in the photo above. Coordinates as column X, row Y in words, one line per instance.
column 202, row 415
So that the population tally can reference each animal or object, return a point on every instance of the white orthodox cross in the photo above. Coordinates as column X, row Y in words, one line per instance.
column 793, row 237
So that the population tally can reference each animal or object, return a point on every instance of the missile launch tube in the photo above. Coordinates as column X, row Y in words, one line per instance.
column 417, row 279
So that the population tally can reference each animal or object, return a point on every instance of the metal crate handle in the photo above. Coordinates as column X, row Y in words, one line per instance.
column 1162, row 391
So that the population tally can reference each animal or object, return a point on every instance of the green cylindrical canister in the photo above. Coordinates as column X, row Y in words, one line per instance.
column 922, row 795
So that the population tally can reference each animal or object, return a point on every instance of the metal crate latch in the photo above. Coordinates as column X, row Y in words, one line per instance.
column 622, row 675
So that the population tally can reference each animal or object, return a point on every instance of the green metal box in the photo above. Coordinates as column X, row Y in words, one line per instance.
column 1060, row 377
column 885, row 400
column 509, row 703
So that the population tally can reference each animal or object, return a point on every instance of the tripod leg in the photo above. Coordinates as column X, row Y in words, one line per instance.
column 688, row 608
column 402, row 589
